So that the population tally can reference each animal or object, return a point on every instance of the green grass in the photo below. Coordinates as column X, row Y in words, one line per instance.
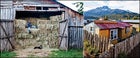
column 7, row 54
column 73, row 53
column 33, row 56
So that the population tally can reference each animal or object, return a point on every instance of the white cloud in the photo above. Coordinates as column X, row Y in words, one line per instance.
column 124, row 5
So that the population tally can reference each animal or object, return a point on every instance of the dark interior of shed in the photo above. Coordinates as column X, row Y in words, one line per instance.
column 36, row 14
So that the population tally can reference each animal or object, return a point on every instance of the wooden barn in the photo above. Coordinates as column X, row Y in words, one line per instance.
column 115, row 31
column 66, row 23
column 6, row 25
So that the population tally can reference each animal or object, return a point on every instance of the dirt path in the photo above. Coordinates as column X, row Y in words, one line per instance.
column 135, row 53
column 30, row 52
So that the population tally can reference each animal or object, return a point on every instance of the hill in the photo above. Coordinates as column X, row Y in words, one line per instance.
column 110, row 13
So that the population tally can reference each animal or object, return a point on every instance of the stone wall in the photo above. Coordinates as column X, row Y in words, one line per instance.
column 46, row 34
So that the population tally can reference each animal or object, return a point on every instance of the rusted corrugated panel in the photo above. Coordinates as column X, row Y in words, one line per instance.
column 105, row 21
column 29, row 7
column 48, row 1
column 110, row 25
column 124, row 23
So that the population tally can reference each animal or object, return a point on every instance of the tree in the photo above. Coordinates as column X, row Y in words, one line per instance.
column 135, row 17
column 80, row 6
column 105, row 17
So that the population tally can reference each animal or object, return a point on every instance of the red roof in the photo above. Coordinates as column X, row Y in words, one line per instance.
column 109, row 25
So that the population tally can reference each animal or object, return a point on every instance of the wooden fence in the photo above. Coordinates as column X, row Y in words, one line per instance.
column 98, row 42
column 123, row 47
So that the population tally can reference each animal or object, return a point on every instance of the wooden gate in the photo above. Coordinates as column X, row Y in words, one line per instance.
column 6, row 26
column 63, row 34
column 75, row 34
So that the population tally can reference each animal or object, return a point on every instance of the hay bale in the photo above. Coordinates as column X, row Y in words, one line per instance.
column 55, row 18
column 34, row 31
column 20, row 23
column 41, row 24
column 24, row 36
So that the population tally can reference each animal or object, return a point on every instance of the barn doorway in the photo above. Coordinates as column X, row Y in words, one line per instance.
column 44, row 30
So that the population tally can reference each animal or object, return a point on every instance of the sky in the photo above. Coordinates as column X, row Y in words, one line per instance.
column 88, row 5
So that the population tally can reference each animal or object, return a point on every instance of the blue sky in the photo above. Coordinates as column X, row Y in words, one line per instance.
column 124, row 5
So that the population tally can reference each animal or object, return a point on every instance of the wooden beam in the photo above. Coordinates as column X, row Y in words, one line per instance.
column 6, row 20
column 63, row 36
column 6, row 37
column 63, row 21
column 75, row 26
column 63, row 32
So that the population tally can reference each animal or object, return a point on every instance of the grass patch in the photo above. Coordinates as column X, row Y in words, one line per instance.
column 7, row 54
column 73, row 53
column 33, row 56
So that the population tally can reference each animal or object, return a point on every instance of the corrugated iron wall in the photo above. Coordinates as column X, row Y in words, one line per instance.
column 75, row 30
column 75, row 35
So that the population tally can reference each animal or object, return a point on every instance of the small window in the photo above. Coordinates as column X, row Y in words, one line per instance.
column 127, row 30
column 45, row 8
column 91, row 29
column 113, row 34
column 38, row 8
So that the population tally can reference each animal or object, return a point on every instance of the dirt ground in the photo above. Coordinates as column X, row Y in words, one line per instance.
column 30, row 52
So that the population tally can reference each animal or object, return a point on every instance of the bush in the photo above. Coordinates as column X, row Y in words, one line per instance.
column 122, row 55
column 90, row 49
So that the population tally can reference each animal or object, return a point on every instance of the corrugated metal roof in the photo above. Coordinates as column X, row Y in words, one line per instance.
column 131, row 21
column 109, row 25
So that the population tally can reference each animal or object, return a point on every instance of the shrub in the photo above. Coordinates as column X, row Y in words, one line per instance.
column 122, row 55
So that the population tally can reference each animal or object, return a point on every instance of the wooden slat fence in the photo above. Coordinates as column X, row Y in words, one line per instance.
column 123, row 47
column 98, row 42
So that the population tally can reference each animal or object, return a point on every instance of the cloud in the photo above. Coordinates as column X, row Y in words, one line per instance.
column 88, row 5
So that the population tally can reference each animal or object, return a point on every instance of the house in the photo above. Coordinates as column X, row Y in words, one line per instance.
column 66, row 23
column 109, row 29
column 134, row 23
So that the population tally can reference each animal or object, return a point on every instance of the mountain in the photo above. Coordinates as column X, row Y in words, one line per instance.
column 111, row 13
